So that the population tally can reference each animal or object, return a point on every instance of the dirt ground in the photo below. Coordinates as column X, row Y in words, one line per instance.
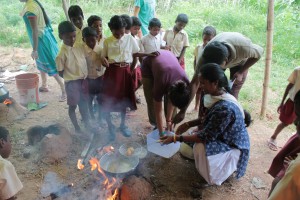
column 171, row 178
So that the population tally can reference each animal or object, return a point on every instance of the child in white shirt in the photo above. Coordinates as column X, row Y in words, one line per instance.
column 177, row 39
column 10, row 184
column 152, row 41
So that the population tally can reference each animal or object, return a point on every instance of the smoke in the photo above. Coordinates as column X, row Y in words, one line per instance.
column 92, row 189
column 52, row 183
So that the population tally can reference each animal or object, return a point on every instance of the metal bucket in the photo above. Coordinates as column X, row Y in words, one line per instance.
column 4, row 94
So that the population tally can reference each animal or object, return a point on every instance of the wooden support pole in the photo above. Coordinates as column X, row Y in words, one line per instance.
column 270, row 27
column 66, row 5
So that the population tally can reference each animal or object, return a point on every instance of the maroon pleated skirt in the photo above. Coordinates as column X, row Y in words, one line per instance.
column 118, row 89
column 291, row 148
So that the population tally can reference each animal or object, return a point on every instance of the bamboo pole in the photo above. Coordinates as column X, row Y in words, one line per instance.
column 66, row 5
column 270, row 27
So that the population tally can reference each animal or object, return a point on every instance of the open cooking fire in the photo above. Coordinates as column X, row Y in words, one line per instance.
column 109, row 184
column 7, row 102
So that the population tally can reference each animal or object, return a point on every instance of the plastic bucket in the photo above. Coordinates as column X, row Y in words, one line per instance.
column 28, row 88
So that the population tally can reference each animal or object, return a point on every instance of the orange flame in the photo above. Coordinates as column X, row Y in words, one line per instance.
column 107, row 184
column 79, row 164
column 96, row 165
column 7, row 102
column 115, row 195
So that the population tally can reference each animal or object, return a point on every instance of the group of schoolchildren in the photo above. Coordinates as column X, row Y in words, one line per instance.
column 109, row 68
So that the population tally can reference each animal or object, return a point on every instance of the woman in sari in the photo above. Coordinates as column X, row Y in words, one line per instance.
column 44, row 45
column 222, row 146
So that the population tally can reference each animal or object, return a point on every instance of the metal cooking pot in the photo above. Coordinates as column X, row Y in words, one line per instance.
column 116, row 163
column 4, row 94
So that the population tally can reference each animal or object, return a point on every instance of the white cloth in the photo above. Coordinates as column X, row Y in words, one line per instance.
column 72, row 60
column 176, row 41
column 93, row 60
column 210, row 100
column 10, row 184
column 217, row 168
column 79, row 41
column 150, row 43
column 120, row 50
column 98, row 49
column 99, row 46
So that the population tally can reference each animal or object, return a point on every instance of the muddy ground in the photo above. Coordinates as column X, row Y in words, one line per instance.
column 171, row 178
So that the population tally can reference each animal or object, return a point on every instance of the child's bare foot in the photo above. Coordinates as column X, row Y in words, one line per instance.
column 62, row 98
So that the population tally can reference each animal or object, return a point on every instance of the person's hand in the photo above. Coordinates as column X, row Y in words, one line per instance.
column 154, row 54
column 179, row 117
column 105, row 62
column 279, row 108
column 34, row 55
column 168, row 48
column 166, row 139
column 182, row 128
column 238, row 76
column 180, row 59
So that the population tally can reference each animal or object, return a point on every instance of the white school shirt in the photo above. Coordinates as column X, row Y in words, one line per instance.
column 93, row 60
column 99, row 46
column 294, row 79
column 138, row 40
column 98, row 49
column 151, row 43
column 176, row 42
column 120, row 50
column 72, row 60
column 198, row 52
column 79, row 41
column 10, row 183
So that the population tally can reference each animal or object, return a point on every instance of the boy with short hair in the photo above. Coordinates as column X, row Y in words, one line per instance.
column 135, row 27
column 152, row 41
column 95, row 69
column 95, row 22
column 207, row 34
column 177, row 39
column 76, row 16
column 10, row 184
column 136, row 73
column 72, row 66
column 128, row 22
